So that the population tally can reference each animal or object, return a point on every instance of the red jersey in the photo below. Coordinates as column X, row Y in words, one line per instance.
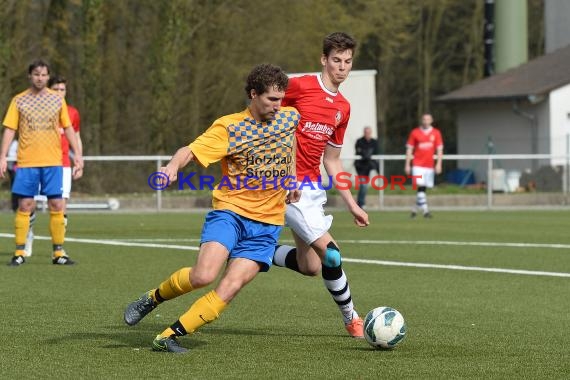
column 425, row 142
column 324, row 118
column 76, row 124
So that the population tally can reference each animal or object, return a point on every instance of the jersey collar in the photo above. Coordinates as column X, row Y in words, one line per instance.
column 323, row 87
column 249, row 117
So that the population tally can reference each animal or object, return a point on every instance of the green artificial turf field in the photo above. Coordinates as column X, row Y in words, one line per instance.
column 66, row 322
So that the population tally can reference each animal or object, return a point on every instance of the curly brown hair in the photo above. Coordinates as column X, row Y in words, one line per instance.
column 263, row 77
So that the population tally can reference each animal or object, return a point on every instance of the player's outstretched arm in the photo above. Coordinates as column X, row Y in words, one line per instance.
column 333, row 166
column 181, row 158
column 7, row 138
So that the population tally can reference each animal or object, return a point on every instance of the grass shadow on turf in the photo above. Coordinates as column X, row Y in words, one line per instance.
column 122, row 336
column 231, row 331
column 370, row 349
column 7, row 254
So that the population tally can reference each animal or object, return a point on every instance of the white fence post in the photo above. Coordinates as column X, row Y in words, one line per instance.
column 489, row 182
column 381, row 191
column 158, row 191
column 566, row 184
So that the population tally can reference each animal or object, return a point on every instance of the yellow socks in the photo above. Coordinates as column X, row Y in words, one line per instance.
column 57, row 230
column 205, row 310
column 176, row 285
column 57, row 227
column 21, row 225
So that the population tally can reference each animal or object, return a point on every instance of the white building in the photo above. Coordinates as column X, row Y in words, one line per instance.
column 523, row 110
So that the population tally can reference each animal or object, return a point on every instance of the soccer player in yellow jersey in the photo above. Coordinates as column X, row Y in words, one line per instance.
column 37, row 114
column 255, row 147
column 59, row 85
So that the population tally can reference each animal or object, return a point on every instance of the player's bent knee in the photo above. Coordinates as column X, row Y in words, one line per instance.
column 310, row 270
column 310, row 264
column 200, row 279
column 228, row 289
column 332, row 257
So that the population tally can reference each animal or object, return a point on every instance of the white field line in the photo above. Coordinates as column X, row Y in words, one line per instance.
column 112, row 242
column 457, row 267
column 388, row 242
column 346, row 259
column 459, row 243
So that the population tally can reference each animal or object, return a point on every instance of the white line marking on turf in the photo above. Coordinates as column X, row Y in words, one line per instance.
column 457, row 267
column 113, row 242
column 158, row 240
column 346, row 259
column 459, row 243
column 387, row 242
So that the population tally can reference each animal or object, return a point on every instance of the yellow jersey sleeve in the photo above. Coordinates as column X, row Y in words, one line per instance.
column 212, row 145
column 12, row 117
column 64, row 119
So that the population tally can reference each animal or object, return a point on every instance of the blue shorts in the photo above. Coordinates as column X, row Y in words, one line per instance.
column 242, row 237
column 48, row 179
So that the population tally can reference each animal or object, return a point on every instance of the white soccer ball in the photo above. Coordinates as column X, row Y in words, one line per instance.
column 384, row 327
column 113, row 204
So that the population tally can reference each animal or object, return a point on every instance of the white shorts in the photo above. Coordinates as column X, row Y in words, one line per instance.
column 307, row 217
column 66, row 186
column 426, row 176
column 66, row 182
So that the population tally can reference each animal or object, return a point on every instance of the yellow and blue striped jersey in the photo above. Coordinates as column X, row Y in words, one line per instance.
column 256, row 158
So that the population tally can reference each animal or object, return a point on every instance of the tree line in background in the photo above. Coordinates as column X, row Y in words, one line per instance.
column 149, row 75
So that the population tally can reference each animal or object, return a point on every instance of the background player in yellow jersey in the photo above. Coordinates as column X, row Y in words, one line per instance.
column 244, row 227
column 37, row 114
column 59, row 85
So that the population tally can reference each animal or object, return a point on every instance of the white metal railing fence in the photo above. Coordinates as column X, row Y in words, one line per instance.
column 487, row 159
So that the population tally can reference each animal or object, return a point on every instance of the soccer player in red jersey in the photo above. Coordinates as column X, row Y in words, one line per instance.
column 320, row 134
column 59, row 84
column 423, row 143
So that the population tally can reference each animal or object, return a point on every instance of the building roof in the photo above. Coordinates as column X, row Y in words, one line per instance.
column 535, row 78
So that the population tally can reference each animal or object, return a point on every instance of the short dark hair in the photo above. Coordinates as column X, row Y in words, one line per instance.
column 56, row 80
column 338, row 41
column 38, row 63
column 264, row 76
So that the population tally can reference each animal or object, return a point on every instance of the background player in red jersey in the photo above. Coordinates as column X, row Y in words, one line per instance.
column 423, row 143
column 320, row 134
column 59, row 84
